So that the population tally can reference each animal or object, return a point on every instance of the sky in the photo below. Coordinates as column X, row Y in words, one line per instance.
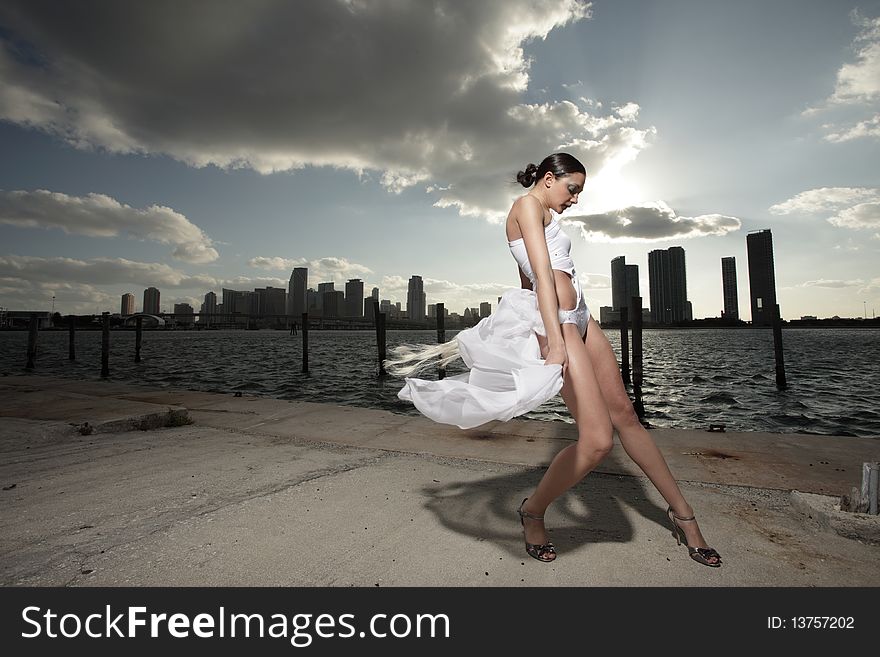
column 193, row 146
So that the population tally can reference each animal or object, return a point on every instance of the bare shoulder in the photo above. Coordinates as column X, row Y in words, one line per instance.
column 527, row 211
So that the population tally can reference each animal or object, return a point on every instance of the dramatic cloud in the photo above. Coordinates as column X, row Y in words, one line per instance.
column 857, row 86
column 860, row 81
column 854, row 207
column 863, row 215
column 650, row 222
column 825, row 199
column 99, row 271
column 867, row 128
column 97, row 215
column 404, row 93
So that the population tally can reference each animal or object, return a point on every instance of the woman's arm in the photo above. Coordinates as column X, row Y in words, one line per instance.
column 524, row 280
column 530, row 217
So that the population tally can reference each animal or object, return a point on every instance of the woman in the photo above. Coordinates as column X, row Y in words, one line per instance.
column 508, row 376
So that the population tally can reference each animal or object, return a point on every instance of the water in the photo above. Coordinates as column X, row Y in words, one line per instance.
column 692, row 378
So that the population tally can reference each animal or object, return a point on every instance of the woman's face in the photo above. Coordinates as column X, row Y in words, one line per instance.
column 563, row 192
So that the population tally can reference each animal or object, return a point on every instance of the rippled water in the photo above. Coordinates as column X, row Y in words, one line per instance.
column 691, row 377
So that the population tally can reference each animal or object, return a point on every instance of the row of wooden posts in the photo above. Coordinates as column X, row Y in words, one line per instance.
column 33, row 329
column 637, row 357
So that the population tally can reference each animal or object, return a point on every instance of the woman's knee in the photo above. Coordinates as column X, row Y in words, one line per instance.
column 595, row 447
column 623, row 415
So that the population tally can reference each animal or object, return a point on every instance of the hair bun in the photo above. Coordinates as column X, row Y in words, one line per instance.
column 527, row 178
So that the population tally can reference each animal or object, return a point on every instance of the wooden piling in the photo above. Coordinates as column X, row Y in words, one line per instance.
column 380, row 336
column 777, row 348
column 138, row 335
column 441, row 335
column 305, row 332
column 637, row 344
column 637, row 369
column 624, row 345
column 870, row 474
column 105, row 344
column 33, row 328
column 71, row 337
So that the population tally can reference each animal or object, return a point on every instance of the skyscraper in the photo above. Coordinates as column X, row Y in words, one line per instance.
column 728, row 288
column 320, row 297
column 151, row 301
column 667, row 281
column 624, row 285
column 632, row 287
column 618, row 283
column 416, row 303
column 209, row 307
column 354, row 298
column 762, row 276
column 368, row 303
column 296, row 292
column 127, row 304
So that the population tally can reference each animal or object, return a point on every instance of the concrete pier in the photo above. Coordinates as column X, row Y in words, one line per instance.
column 112, row 484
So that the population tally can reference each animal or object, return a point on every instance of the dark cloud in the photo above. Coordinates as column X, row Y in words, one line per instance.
column 414, row 92
column 650, row 222
column 98, row 215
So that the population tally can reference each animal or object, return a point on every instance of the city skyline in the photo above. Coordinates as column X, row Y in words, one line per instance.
column 698, row 121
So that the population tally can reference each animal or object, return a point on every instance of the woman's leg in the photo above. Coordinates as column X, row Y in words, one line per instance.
column 583, row 397
column 635, row 439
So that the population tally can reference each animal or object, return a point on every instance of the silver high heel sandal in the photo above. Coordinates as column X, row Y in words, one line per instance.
column 702, row 555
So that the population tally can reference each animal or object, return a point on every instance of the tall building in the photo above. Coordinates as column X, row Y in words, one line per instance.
column 354, row 298
column 183, row 309
column 260, row 294
column 297, row 292
column 485, row 309
column 667, row 281
column 238, row 303
column 728, row 288
column 416, row 304
column 368, row 303
column 624, row 285
column 151, row 301
column 209, row 307
column 270, row 303
column 618, row 282
column 276, row 301
column 332, row 303
column 632, row 286
column 127, row 304
column 762, row 276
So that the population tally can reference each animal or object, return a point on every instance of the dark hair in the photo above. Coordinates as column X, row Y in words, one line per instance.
column 559, row 164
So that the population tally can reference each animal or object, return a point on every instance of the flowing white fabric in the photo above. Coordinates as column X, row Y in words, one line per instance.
column 507, row 375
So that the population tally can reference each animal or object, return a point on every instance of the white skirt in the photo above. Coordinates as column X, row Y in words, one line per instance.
column 507, row 375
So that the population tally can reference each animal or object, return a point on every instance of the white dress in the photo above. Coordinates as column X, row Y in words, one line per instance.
column 507, row 375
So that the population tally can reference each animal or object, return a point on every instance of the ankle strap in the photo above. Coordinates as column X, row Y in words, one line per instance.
column 526, row 514
column 678, row 517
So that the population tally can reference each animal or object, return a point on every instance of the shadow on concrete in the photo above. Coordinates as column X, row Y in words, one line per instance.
column 591, row 512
